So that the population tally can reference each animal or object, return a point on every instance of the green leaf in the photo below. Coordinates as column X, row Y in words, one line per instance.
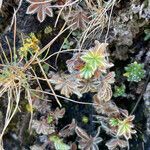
column 87, row 72
column 58, row 143
column 61, row 146
column 49, row 119
column 114, row 122
column 120, row 91
column 93, row 58
column 147, row 34
column 46, row 68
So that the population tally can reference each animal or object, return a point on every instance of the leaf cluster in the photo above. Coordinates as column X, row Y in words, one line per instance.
column 134, row 72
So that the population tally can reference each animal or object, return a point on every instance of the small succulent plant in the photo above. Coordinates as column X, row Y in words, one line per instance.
column 95, row 59
column 134, row 72
column 48, row 30
column 120, row 91
column 85, row 119
column 30, row 45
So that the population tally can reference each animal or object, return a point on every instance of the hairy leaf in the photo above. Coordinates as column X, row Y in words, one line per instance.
column 113, row 143
column 95, row 59
column 57, row 114
column 68, row 129
column 90, row 85
column 58, row 143
column 105, row 91
column 78, row 18
column 88, row 142
column 108, row 108
column 125, row 127
column 41, row 127
column 66, row 84
column 41, row 7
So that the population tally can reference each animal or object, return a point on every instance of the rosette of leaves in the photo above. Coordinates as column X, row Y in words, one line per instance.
column 95, row 59
column 87, row 71
column 120, row 91
column 85, row 119
column 114, row 122
column 118, row 124
column 124, row 126
column 134, row 72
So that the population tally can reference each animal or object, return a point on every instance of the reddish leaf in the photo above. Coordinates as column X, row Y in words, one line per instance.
column 41, row 7
column 78, row 18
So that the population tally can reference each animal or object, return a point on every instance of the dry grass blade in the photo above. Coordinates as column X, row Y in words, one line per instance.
column 13, row 79
column 45, row 48
column 49, row 84
column 1, row 2
column 78, row 17
column 66, row 84
column 10, row 113
column 65, row 98
column 96, row 22
column 81, row 133
column 68, row 3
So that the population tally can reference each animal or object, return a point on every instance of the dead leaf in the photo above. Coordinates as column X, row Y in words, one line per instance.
column 41, row 7
column 41, row 127
column 66, row 84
